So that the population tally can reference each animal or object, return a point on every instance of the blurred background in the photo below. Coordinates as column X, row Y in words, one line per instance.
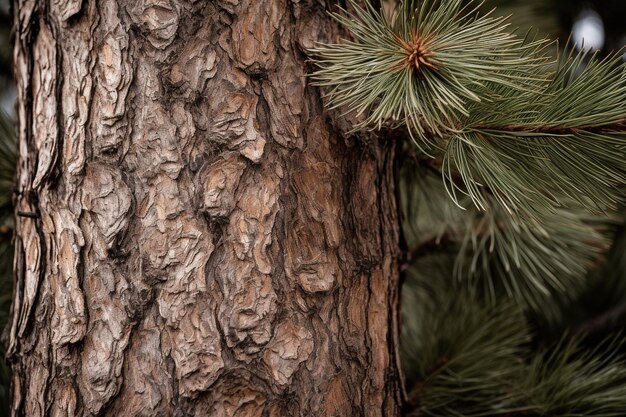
column 7, row 164
column 598, row 25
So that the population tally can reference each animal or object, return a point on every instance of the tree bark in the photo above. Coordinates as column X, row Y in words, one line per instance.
column 195, row 235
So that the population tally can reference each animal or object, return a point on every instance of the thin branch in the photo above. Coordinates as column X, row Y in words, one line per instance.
column 554, row 130
column 604, row 322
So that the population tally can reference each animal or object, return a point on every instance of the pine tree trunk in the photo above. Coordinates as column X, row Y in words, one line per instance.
column 195, row 237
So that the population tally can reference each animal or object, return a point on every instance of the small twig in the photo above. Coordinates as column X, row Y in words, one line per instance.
column 553, row 130
column 424, row 248
column 437, row 367
column 28, row 214
column 603, row 322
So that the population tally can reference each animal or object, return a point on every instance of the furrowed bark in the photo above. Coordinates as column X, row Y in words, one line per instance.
column 194, row 235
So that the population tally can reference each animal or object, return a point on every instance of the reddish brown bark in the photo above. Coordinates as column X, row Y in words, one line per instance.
column 202, row 240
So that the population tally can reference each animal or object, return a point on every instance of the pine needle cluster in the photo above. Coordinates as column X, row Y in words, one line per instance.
column 490, row 106
column 421, row 66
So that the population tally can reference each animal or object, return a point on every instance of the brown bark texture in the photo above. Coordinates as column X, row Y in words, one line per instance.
column 195, row 235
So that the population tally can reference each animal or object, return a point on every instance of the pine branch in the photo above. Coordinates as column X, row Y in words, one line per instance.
column 536, row 151
column 549, row 130
column 508, row 126
column 421, row 66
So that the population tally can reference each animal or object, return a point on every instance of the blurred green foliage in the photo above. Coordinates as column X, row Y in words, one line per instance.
column 471, row 347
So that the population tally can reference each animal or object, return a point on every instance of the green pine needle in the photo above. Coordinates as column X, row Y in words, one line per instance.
column 421, row 66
